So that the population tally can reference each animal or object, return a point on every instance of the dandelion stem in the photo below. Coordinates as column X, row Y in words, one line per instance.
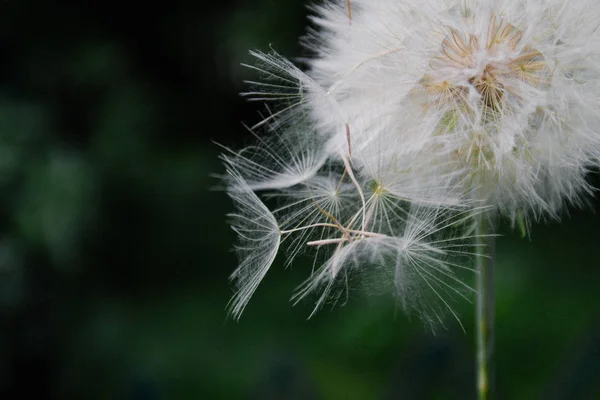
column 485, row 307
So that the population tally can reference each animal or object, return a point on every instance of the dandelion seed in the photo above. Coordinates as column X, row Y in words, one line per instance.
column 281, row 160
column 259, row 238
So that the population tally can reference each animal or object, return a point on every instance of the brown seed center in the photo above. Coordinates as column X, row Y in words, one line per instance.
column 488, row 86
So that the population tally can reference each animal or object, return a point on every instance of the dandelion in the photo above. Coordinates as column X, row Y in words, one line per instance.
column 413, row 114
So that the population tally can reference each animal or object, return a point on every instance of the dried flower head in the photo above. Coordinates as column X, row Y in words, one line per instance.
column 411, row 118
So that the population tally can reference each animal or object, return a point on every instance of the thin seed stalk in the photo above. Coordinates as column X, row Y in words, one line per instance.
column 485, row 307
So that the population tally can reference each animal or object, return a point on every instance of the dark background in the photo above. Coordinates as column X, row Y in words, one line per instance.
column 115, row 253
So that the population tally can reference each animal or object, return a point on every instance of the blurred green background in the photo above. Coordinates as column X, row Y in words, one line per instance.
column 115, row 253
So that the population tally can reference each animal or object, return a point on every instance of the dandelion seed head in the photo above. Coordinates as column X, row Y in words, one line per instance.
column 411, row 119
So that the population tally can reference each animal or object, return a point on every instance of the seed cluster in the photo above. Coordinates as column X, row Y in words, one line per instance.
column 492, row 69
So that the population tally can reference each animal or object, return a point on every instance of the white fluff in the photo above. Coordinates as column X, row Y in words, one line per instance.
column 259, row 238
column 412, row 117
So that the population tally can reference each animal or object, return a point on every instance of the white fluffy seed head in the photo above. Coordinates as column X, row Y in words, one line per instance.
column 411, row 120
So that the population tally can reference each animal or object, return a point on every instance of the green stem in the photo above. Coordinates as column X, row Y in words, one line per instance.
column 485, row 307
